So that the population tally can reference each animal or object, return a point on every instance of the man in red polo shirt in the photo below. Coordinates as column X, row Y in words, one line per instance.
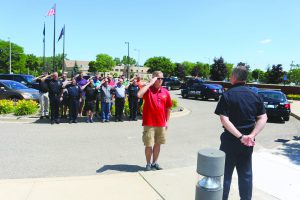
column 156, row 114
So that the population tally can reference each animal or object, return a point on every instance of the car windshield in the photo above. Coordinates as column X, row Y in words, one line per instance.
column 15, row 85
column 29, row 78
column 272, row 96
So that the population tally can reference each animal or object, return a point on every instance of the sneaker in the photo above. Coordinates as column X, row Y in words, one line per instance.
column 57, row 122
column 91, row 120
column 52, row 122
column 103, row 121
column 87, row 121
column 156, row 166
column 107, row 120
column 75, row 121
column 148, row 167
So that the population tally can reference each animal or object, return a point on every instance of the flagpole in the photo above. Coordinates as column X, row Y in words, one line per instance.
column 44, row 41
column 54, row 68
column 63, row 66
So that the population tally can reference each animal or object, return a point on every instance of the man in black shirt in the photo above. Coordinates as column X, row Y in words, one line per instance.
column 133, row 100
column 90, row 99
column 243, row 116
column 74, row 93
column 55, row 95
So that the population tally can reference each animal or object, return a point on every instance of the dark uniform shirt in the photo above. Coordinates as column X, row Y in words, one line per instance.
column 55, row 87
column 73, row 91
column 90, row 93
column 133, row 91
column 43, row 86
column 241, row 105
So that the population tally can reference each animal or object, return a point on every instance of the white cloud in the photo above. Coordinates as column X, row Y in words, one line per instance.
column 266, row 41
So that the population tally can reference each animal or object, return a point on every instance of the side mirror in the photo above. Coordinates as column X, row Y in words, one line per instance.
column 23, row 82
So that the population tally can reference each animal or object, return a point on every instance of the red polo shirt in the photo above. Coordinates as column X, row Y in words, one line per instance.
column 156, row 103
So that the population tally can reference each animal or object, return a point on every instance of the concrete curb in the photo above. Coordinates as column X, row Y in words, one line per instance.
column 296, row 116
column 21, row 119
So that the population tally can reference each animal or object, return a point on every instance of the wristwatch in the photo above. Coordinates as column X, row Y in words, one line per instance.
column 241, row 137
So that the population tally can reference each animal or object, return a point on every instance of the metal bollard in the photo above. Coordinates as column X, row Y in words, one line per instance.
column 210, row 164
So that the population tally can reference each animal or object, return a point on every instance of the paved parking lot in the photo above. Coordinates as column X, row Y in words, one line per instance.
column 30, row 150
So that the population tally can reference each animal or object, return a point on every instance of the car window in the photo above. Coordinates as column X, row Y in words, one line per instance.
column 275, row 96
column 6, row 77
column 18, row 78
column 15, row 85
column 29, row 79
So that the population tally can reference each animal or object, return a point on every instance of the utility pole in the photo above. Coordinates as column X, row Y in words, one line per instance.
column 9, row 56
column 128, row 60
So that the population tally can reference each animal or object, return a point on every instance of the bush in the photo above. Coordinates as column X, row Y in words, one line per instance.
column 6, row 106
column 293, row 96
column 26, row 107
column 175, row 103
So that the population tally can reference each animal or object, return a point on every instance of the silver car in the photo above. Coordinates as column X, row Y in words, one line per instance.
column 16, row 91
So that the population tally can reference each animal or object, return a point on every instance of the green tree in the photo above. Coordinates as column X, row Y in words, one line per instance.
column 92, row 67
column 258, row 74
column 33, row 64
column 229, row 67
column 18, row 58
column 75, row 69
column 160, row 64
column 117, row 61
column 294, row 75
column 204, row 69
column 132, row 61
column 104, row 63
column 179, row 71
column 188, row 67
column 218, row 70
column 58, row 63
column 275, row 75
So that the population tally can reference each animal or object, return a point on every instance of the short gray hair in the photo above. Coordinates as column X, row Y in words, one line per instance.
column 240, row 73
column 156, row 73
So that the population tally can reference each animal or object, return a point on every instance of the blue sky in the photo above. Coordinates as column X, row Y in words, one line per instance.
column 258, row 32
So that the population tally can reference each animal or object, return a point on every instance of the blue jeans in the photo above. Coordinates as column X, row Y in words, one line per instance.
column 105, row 110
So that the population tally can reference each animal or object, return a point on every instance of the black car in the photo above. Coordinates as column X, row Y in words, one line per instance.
column 25, row 79
column 203, row 90
column 16, row 91
column 171, row 83
column 276, row 104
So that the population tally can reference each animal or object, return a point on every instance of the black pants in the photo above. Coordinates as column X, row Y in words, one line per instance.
column 98, row 102
column 54, row 107
column 133, row 106
column 243, row 163
column 73, row 108
column 119, row 108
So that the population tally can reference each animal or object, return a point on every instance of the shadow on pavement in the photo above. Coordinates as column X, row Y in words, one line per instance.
column 275, row 120
column 121, row 168
column 290, row 149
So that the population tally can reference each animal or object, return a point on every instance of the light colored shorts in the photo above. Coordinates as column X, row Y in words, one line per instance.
column 153, row 134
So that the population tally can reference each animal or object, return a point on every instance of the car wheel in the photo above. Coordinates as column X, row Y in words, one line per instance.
column 184, row 95
column 286, row 118
column 217, row 99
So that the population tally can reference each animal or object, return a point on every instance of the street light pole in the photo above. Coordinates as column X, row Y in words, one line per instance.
column 128, row 60
column 138, row 50
column 9, row 56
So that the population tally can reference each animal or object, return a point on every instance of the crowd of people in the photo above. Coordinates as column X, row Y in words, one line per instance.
column 93, row 97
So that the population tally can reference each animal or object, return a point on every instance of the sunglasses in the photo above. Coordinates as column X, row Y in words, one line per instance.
column 160, row 78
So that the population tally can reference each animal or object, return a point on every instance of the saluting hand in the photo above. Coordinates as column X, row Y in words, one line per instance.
column 152, row 81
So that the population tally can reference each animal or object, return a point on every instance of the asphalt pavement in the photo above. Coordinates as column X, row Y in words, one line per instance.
column 275, row 163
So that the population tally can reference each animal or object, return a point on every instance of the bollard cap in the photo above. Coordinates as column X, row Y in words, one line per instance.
column 211, row 162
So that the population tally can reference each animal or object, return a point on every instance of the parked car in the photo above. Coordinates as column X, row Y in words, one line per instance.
column 25, row 79
column 203, row 90
column 276, row 104
column 171, row 83
column 16, row 91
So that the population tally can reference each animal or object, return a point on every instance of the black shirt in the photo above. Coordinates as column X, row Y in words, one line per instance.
column 241, row 105
column 133, row 90
column 43, row 86
column 90, row 93
column 73, row 91
column 55, row 87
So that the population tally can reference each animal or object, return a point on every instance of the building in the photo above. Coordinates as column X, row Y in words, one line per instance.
column 116, row 71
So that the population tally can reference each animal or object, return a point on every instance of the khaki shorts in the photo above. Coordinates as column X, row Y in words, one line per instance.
column 152, row 135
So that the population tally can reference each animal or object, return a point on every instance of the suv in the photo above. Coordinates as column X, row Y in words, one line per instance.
column 171, row 83
column 25, row 79
column 203, row 90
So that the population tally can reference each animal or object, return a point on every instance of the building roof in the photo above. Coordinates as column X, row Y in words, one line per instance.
column 71, row 63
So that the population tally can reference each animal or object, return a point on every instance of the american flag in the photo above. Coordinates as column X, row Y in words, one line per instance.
column 51, row 11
